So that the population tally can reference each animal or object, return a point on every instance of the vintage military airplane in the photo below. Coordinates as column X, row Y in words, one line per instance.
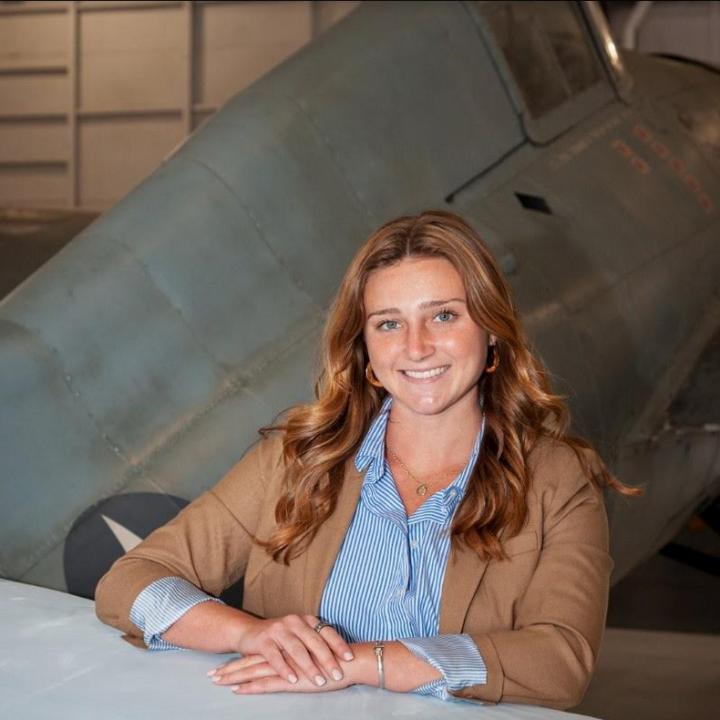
column 136, row 365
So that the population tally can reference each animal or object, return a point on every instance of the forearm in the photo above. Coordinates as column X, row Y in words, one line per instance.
column 210, row 627
column 403, row 671
column 543, row 665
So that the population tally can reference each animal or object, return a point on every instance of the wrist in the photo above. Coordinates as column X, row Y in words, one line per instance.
column 363, row 669
column 240, row 629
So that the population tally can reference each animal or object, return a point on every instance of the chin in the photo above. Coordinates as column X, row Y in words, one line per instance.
column 423, row 406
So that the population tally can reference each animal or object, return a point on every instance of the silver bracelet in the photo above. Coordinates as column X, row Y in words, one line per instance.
column 379, row 648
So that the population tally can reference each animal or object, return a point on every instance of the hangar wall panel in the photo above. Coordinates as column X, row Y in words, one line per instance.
column 32, row 142
column 236, row 44
column 33, row 94
column 34, row 40
column 93, row 95
column 131, row 59
column 23, row 187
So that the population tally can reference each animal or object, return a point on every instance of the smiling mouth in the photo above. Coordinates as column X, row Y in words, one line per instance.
column 425, row 374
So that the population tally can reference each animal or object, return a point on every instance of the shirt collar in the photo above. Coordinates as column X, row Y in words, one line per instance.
column 371, row 456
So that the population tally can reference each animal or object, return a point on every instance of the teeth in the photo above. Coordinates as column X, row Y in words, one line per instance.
column 426, row 373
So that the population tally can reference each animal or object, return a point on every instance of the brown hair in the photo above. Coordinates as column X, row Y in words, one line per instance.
column 519, row 406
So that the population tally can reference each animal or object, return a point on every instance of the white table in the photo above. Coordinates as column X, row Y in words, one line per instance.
column 58, row 661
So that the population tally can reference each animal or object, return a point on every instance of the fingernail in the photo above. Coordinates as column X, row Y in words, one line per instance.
column 211, row 672
column 234, row 688
column 337, row 674
column 217, row 679
column 292, row 679
column 319, row 680
column 348, row 656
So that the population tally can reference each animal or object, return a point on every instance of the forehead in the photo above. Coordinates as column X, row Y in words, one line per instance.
column 412, row 281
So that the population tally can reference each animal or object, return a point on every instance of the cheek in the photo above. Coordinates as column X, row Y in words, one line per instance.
column 380, row 348
column 371, row 345
column 468, row 346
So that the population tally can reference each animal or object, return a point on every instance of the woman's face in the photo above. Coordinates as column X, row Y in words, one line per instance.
column 423, row 345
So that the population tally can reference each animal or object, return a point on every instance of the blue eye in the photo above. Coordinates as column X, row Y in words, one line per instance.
column 445, row 316
column 388, row 325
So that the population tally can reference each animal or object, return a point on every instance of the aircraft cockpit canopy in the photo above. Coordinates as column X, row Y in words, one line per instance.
column 558, row 60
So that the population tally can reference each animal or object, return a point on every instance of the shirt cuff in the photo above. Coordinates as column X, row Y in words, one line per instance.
column 456, row 657
column 163, row 603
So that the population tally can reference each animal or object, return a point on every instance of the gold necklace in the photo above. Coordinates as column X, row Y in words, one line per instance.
column 421, row 488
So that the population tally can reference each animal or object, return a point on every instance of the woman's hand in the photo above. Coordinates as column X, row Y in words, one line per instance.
column 403, row 672
column 293, row 650
column 253, row 674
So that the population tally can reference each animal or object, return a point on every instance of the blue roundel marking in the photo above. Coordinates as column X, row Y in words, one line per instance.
column 96, row 538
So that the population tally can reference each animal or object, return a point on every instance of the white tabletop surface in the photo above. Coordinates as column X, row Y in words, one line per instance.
column 58, row 661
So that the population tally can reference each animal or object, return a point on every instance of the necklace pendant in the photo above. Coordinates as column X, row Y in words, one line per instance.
column 421, row 489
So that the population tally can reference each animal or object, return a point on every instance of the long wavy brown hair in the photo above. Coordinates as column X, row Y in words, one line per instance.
column 519, row 405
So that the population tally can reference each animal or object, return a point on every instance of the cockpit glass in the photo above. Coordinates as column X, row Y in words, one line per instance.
column 547, row 48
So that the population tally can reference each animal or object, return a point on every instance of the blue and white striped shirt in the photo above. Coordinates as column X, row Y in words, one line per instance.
column 387, row 578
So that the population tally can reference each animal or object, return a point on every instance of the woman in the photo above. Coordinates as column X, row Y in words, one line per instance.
column 425, row 525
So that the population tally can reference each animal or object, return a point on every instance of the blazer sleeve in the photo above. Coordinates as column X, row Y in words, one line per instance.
column 208, row 543
column 549, row 655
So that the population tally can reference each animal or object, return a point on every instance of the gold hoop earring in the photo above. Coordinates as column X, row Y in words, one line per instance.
column 493, row 366
column 370, row 375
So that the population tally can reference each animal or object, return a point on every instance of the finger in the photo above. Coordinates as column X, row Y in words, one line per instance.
column 236, row 664
column 272, row 654
column 220, row 668
column 296, row 649
column 242, row 675
column 242, row 661
column 271, row 685
column 321, row 652
column 264, row 685
column 333, row 638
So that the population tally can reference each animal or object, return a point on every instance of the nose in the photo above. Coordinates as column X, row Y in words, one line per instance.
column 419, row 342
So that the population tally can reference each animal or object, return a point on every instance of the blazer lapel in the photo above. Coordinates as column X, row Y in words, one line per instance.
column 463, row 574
column 320, row 555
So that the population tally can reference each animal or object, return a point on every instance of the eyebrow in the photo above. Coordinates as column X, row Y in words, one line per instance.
column 422, row 306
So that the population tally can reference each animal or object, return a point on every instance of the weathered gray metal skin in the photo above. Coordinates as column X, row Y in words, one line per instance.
column 146, row 354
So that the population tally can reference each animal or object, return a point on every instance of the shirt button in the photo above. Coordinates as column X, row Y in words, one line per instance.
column 414, row 544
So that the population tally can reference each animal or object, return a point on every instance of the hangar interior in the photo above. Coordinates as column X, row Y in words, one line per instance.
column 94, row 95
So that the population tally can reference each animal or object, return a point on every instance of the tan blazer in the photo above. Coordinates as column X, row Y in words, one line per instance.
column 537, row 617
